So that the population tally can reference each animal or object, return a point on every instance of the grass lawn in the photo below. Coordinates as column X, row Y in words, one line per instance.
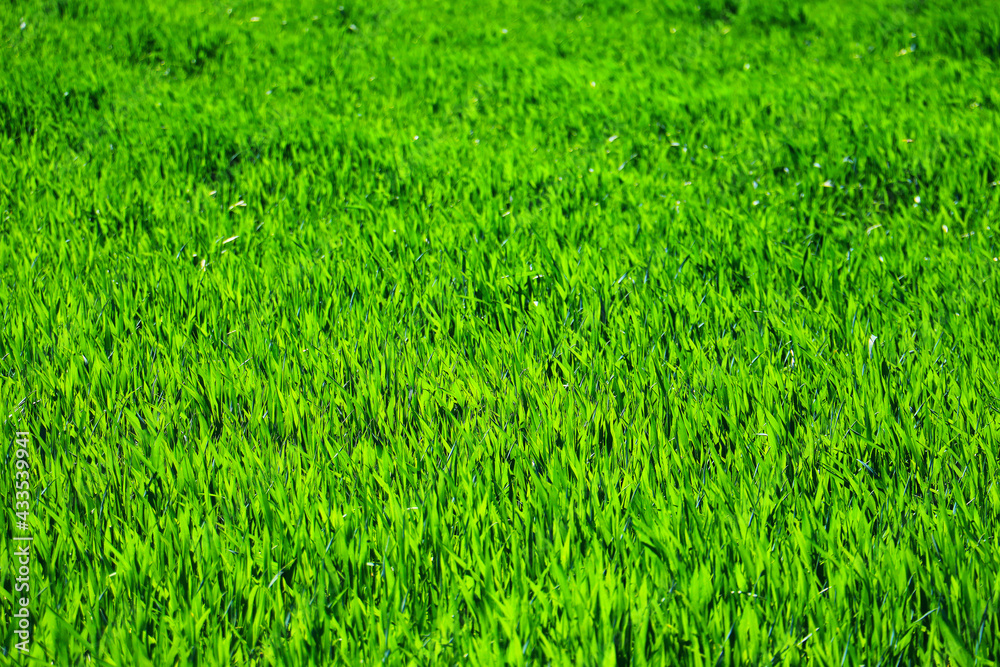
column 572, row 332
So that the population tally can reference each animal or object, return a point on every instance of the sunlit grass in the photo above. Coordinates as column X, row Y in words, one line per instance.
column 563, row 334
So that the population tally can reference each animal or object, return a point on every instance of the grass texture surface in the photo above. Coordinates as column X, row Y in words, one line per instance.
column 477, row 332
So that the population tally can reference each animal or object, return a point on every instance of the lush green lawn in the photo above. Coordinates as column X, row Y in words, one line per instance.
column 570, row 333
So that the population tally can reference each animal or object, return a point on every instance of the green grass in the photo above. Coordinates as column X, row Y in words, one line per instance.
column 379, row 334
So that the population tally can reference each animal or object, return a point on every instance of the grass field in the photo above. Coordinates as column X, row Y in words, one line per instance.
column 467, row 332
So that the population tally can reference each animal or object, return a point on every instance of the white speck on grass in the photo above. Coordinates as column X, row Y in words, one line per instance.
column 415, row 137
column 871, row 343
column 254, row 19
column 593, row 84
column 746, row 65
column 612, row 138
column 817, row 165
column 944, row 228
column 23, row 25
column 828, row 183
column 230, row 240
column 916, row 200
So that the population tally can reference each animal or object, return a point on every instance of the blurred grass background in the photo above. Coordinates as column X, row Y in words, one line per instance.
column 563, row 333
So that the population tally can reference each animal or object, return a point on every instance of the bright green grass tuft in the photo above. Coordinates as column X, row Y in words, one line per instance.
column 640, row 333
